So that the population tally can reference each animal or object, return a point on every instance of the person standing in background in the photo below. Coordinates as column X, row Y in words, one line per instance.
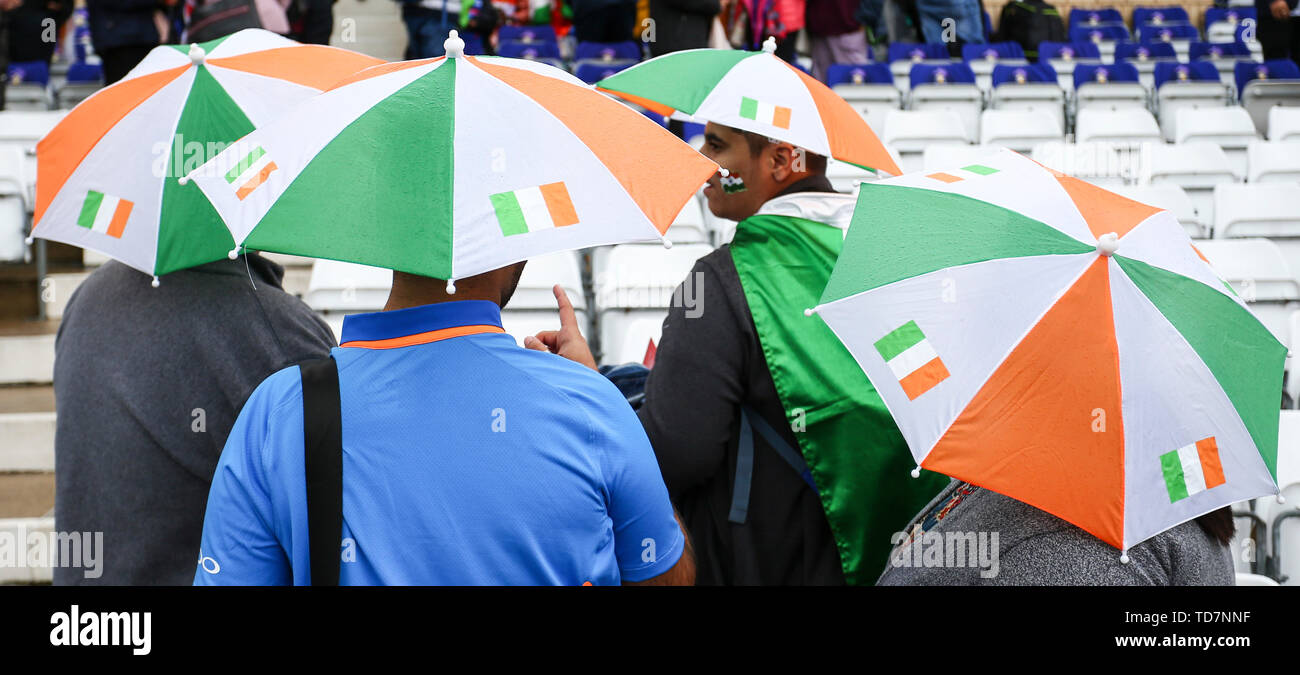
column 680, row 24
column 311, row 21
column 30, row 26
column 604, row 20
column 834, row 36
column 428, row 23
column 5, row 6
column 123, row 32
column 1279, row 29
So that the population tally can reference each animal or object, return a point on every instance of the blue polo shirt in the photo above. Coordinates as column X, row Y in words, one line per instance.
column 466, row 460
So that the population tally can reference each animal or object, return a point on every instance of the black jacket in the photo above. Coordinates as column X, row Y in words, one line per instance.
column 26, row 28
column 123, row 23
column 681, row 24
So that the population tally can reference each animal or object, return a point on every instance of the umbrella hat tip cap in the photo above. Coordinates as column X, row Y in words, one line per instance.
column 451, row 287
column 1123, row 558
column 916, row 473
column 154, row 283
column 1107, row 244
column 197, row 54
column 769, row 45
column 454, row 46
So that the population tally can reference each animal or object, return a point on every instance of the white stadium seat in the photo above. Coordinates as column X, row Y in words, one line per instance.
column 1020, row 130
column 1048, row 98
column 634, row 286
column 1195, row 167
column 1260, row 97
column 964, row 100
column 872, row 101
column 1175, row 96
column 347, row 287
column 1284, row 124
column 947, row 155
column 1273, row 161
column 1229, row 128
column 1126, row 125
column 1108, row 165
column 1170, row 198
column 1110, row 96
column 13, row 211
column 1265, row 210
column 532, row 308
column 21, row 130
column 909, row 132
column 1258, row 271
column 845, row 177
column 688, row 227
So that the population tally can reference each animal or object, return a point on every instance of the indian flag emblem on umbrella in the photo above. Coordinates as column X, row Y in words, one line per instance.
column 912, row 359
column 105, row 214
column 1192, row 469
column 775, row 115
column 536, row 208
column 250, row 172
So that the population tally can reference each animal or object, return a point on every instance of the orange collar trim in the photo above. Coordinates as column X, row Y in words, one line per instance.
column 424, row 338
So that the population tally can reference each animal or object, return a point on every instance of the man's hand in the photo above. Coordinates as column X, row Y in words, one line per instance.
column 568, row 341
column 1280, row 9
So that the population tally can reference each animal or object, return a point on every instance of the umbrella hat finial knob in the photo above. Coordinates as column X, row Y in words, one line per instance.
column 809, row 311
column 197, row 54
column 1280, row 498
column 916, row 473
column 1123, row 558
column 234, row 253
column 1108, row 243
column 451, row 287
column 668, row 243
column 30, row 240
column 769, row 45
column 154, row 283
column 454, row 46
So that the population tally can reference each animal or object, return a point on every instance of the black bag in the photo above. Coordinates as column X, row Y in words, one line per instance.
column 1030, row 23
column 218, row 18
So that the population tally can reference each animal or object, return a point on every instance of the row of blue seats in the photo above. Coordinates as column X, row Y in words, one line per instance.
column 960, row 73
column 1157, row 16
column 38, row 72
column 912, row 51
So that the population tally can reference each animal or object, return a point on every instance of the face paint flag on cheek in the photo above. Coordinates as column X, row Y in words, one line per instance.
column 732, row 184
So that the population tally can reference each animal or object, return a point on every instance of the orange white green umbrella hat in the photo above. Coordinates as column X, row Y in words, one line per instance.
column 753, row 91
column 107, row 173
column 1059, row 344
column 451, row 167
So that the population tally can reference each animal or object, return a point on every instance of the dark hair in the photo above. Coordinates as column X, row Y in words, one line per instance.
column 1218, row 524
column 816, row 163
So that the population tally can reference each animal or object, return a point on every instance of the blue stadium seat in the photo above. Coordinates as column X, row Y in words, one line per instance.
column 853, row 73
column 1156, row 16
column 1067, row 51
column 1231, row 15
column 85, row 73
column 1154, row 51
column 29, row 72
column 1095, row 17
column 954, row 73
column 1196, row 71
column 1167, row 33
column 608, row 51
column 592, row 73
column 1098, row 33
column 1216, row 50
column 656, row 117
column 992, row 51
column 1037, row 73
column 911, row 51
column 1277, row 69
column 529, row 50
column 527, row 34
column 473, row 44
column 1115, row 72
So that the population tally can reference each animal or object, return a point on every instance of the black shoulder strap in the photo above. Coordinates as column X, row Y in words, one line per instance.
column 751, row 421
column 323, row 440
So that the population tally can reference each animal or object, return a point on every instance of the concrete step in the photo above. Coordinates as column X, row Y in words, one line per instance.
column 20, row 573
column 26, row 495
column 57, row 289
column 27, row 352
column 28, row 441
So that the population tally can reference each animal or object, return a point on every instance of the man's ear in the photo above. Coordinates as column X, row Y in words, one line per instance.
column 782, row 161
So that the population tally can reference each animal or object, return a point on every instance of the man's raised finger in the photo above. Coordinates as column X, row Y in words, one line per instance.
column 567, row 318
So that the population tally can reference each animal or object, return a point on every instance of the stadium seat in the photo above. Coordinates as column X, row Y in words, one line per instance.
column 1108, row 165
column 869, row 88
column 1170, row 198
column 1105, row 37
column 634, row 286
column 1111, row 86
column 592, row 72
column 13, row 211
column 1221, row 22
column 1246, row 34
column 1159, row 16
column 1263, row 210
column 983, row 57
column 1228, row 127
column 532, row 308
column 528, row 50
column 903, row 55
column 947, row 155
column 1129, row 125
column 1020, row 130
column 1195, row 167
column 608, row 51
column 28, row 87
column 1224, row 56
column 527, row 34
column 1179, row 35
column 845, row 177
column 1064, row 56
column 1259, row 272
column 82, row 81
column 948, row 87
column 1095, row 16
column 688, row 227
column 1260, row 86
column 344, row 288
column 21, row 130
column 1031, row 87
column 908, row 132
column 1284, row 123
column 1144, row 57
column 1187, row 85
column 1273, row 161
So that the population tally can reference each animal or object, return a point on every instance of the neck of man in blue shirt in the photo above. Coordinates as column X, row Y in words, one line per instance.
column 410, row 290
